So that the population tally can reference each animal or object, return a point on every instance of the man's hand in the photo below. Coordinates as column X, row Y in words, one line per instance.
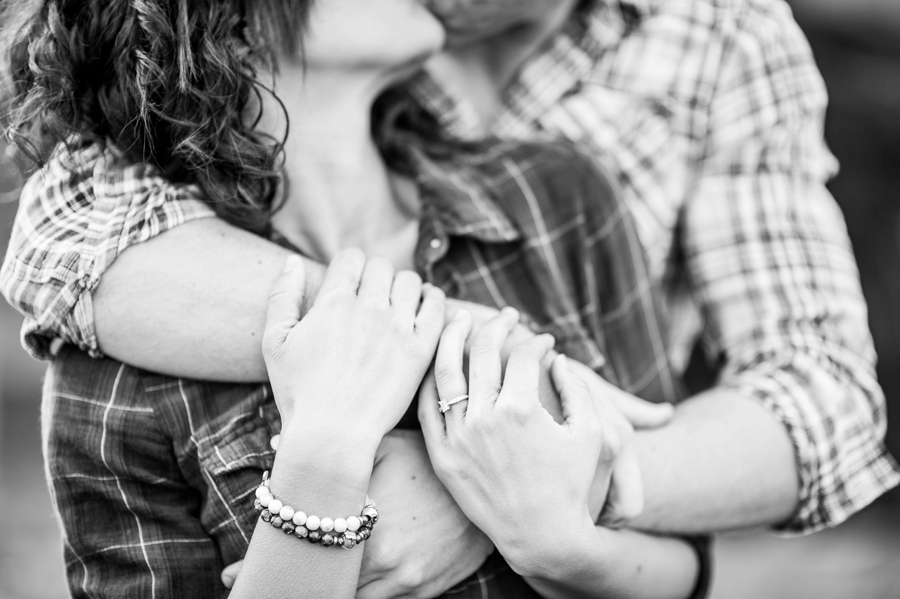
column 423, row 545
column 623, row 500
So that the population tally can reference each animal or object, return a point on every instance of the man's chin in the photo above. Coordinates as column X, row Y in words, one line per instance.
column 462, row 37
column 465, row 27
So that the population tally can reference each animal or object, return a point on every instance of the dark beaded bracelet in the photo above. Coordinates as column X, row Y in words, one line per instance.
column 329, row 533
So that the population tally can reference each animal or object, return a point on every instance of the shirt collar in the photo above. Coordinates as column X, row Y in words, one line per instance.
column 565, row 62
column 459, row 195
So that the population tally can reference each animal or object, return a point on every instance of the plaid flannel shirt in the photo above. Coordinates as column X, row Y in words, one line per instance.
column 169, row 466
column 710, row 115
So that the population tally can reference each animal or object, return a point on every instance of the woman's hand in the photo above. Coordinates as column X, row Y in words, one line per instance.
column 518, row 475
column 354, row 362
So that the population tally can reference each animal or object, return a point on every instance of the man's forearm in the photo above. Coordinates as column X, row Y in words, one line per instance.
column 192, row 302
column 617, row 563
column 724, row 462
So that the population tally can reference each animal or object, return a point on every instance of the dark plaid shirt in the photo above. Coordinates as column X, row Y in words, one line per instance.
column 153, row 476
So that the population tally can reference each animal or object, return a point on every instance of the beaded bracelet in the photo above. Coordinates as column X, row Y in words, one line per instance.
column 341, row 532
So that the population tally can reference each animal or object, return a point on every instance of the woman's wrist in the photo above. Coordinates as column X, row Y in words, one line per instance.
column 327, row 436
column 324, row 458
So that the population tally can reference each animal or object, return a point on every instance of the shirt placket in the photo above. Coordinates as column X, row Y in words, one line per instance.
column 432, row 247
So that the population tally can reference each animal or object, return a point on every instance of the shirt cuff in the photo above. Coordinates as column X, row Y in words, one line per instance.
column 842, row 463
column 703, row 547
column 69, row 313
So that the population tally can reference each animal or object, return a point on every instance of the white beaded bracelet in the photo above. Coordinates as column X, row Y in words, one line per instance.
column 340, row 532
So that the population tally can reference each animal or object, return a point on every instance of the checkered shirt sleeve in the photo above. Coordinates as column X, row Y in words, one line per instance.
column 712, row 117
column 76, row 216
column 775, row 275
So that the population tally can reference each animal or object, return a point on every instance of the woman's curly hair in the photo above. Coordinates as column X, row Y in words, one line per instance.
column 166, row 82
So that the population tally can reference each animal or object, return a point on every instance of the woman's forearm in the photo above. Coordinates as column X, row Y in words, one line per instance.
column 192, row 302
column 608, row 563
column 319, row 478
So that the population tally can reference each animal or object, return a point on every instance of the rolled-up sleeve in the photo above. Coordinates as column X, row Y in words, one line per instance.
column 75, row 217
column 775, row 276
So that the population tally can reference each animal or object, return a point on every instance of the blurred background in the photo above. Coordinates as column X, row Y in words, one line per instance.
column 857, row 45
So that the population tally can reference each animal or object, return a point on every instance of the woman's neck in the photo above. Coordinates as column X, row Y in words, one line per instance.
column 340, row 193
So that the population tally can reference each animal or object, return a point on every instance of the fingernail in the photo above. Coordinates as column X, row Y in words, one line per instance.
column 510, row 312
column 563, row 361
column 291, row 263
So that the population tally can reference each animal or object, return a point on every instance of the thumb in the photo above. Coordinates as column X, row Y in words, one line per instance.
column 230, row 574
column 641, row 414
column 625, row 501
column 285, row 301
column 575, row 399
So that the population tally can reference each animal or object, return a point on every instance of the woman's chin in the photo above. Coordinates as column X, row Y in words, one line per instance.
column 413, row 40
column 423, row 42
column 403, row 71
column 406, row 62
column 366, row 34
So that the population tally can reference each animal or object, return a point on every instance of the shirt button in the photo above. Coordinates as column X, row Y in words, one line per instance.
column 435, row 244
column 274, row 441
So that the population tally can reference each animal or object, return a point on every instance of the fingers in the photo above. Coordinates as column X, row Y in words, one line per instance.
column 605, row 425
column 377, row 589
column 285, row 299
column 625, row 501
column 230, row 574
column 344, row 272
column 406, row 293
column 480, row 313
column 377, row 280
column 641, row 414
column 523, row 370
column 485, row 363
column 577, row 406
column 448, row 366
column 430, row 319
column 433, row 428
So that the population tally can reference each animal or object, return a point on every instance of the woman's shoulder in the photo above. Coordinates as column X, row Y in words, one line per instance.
column 80, row 172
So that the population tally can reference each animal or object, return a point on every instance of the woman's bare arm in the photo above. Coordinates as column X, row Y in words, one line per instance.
column 192, row 302
column 356, row 360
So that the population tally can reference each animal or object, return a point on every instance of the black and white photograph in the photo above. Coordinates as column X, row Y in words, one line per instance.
column 457, row 299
